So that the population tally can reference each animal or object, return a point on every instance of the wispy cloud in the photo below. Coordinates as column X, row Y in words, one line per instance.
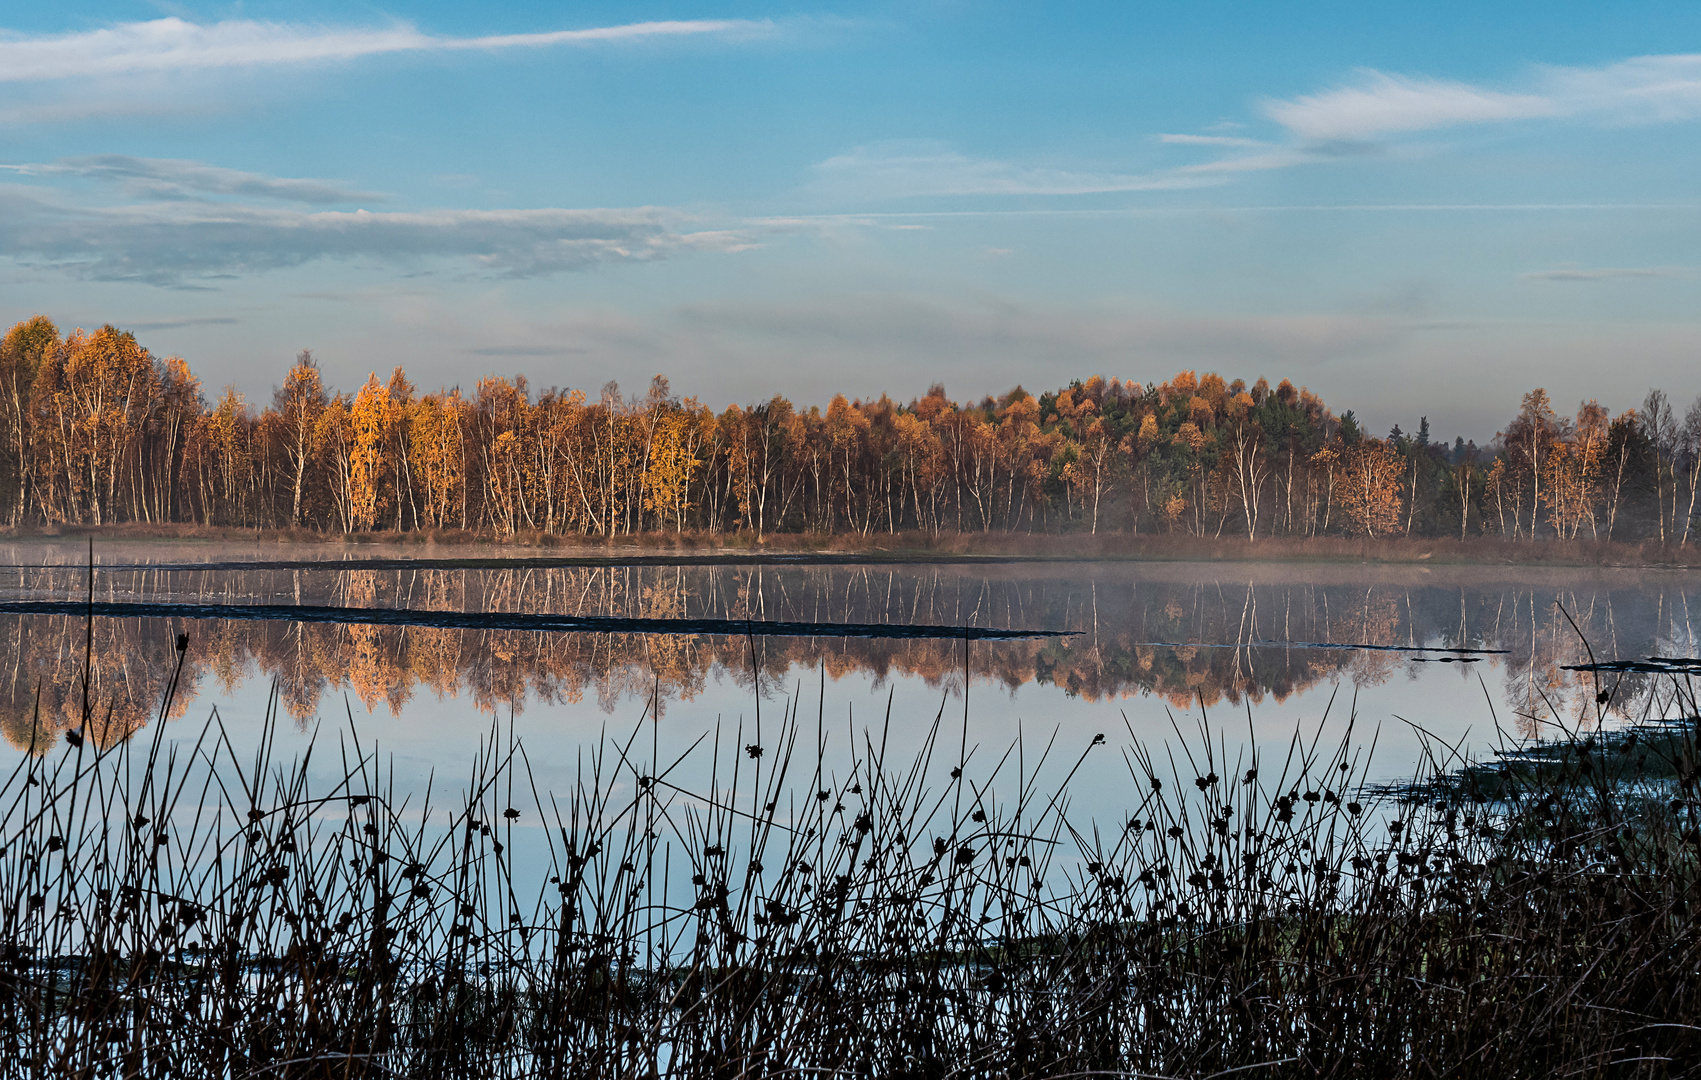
column 889, row 219
column 1279, row 158
column 180, row 324
column 177, row 45
column 1368, row 115
column 1390, row 104
column 1606, row 273
column 1642, row 89
column 927, row 168
column 1173, row 139
column 527, row 350
column 164, row 178
column 1351, row 121
column 182, row 244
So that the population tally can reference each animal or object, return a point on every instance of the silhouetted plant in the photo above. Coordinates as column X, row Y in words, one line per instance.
column 177, row 908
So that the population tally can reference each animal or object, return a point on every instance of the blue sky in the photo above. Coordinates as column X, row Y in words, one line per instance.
column 1413, row 209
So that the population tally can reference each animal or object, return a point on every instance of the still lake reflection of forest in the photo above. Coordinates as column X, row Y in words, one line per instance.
column 1168, row 633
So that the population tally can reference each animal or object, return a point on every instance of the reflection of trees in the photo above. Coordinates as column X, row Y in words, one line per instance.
column 132, row 662
column 1142, row 631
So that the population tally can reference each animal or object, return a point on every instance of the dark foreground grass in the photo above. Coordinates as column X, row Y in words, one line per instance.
column 198, row 909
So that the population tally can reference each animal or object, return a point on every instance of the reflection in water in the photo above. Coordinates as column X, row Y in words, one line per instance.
column 1122, row 610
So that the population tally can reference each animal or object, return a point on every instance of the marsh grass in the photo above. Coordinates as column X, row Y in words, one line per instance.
column 190, row 908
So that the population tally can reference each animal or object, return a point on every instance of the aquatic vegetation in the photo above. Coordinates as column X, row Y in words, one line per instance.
column 192, row 908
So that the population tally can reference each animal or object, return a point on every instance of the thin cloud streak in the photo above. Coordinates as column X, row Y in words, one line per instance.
column 1643, row 89
column 1606, row 273
column 1210, row 140
column 176, row 45
column 180, row 244
column 169, row 178
column 181, row 324
column 926, row 168
column 873, row 218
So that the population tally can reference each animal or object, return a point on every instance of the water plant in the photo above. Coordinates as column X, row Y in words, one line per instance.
column 186, row 907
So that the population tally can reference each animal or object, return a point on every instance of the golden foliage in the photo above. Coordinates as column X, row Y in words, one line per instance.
column 1370, row 491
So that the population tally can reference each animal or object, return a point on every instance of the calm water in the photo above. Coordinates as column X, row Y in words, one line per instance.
column 1156, row 645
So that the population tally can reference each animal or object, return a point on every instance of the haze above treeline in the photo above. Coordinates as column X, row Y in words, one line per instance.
column 98, row 431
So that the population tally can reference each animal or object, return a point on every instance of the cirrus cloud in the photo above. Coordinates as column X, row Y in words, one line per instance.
column 1605, row 273
column 176, row 45
column 1643, row 89
column 181, row 244
column 175, row 66
column 167, row 178
column 919, row 167
column 1391, row 104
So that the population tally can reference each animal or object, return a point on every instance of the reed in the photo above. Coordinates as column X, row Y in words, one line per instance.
column 190, row 908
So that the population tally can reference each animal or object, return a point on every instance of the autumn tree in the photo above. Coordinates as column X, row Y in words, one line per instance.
column 758, row 454
column 333, row 448
column 22, row 351
column 436, row 458
column 1527, row 442
column 1574, row 472
column 179, row 408
column 299, row 403
column 846, row 431
column 1327, row 459
column 1370, row 491
column 94, row 429
column 673, row 463
column 223, row 461
column 399, row 448
column 370, row 421
column 1250, row 463
column 96, row 391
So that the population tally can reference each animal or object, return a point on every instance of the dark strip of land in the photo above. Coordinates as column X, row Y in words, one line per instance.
column 1653, row 665
column 511, row 620
column 614, row 624
column 1267, row 644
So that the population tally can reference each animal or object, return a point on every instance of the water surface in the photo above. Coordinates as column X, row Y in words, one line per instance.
column 1151, row 640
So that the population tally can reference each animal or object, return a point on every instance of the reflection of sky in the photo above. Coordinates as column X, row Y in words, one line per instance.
column 1107, row 680
column 441, row 735
column 435, row 740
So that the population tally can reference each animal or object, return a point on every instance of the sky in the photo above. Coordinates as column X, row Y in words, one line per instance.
column 1419, row 209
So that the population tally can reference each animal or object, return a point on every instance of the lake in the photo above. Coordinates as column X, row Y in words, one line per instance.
column 1458, row 655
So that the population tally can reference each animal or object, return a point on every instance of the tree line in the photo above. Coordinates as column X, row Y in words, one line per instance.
column 98, row 430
